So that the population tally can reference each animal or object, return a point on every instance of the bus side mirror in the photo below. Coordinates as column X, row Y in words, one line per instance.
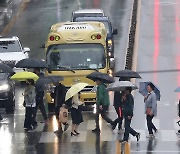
column 115, row 31
column 49, row 70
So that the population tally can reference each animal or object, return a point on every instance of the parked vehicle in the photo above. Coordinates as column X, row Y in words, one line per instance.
column 11, row 51
column 7, row 92
column 87, row 13
column 110, row 31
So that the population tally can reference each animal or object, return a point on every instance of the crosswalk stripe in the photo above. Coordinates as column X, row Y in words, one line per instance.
column 169, row 135
column 80, row 138
column 48, row 137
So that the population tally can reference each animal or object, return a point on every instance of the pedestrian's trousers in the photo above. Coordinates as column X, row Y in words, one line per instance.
column 150, row 125
column 1, row 117
column 103, row 114
column 128, row 129
column 119, row 119
column 29, row 118
column 41, row 106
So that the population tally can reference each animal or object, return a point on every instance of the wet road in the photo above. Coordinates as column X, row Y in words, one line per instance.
column 158, row 49
column 31, row 24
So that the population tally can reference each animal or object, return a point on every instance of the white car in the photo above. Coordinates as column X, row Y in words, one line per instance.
column 11, row 51
column 87, row 13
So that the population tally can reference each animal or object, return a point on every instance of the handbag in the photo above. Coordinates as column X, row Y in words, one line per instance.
column 63, row 115
column 148, row 111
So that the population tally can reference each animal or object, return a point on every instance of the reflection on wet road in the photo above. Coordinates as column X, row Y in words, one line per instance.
column 158, row 49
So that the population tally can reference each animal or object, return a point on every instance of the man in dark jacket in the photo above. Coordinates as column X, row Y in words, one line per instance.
column 40, row 96
column 128, row 107
column 102, row 104
column 59, row 99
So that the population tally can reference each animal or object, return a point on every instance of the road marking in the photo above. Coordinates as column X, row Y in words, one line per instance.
column 165, row 3
column 153, row 151
column 118, row 147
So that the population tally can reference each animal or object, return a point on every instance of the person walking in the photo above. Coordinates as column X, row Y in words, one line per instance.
column 30, row 105
column 40, row 97
column 59, row 99
column 178, row 132
column 76, row 114
column 128, row 107
column 150, row 109
column 118, row 108
column 102, row 104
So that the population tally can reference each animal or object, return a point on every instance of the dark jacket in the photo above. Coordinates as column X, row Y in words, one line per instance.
column 117, row 99
column 128, row 105
column 59, row 95
column 102, row 95
column 39, row 88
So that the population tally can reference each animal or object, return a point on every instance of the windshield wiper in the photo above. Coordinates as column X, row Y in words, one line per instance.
column 64, row 67
column 94, row 69
column 4, row 47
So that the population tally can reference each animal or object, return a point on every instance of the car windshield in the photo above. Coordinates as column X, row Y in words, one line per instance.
column 106, row 24
column 10, row 46
column 76, row 56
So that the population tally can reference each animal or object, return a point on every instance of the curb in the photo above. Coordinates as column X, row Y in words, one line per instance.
column 132, row 34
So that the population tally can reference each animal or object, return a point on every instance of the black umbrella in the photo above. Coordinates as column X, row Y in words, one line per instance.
column 102, row 76
column 5, row 68
column 31, row 63
column 49, row 80
column 127, row 74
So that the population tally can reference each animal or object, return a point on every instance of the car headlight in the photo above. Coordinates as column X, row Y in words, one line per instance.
column 109, row 42
column 4, row 87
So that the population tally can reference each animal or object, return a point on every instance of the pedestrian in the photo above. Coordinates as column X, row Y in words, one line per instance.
column 76, row 114
column 2, row 119
column 102, row 104
column 118, row 108
column 30, row 105
column 178, row 132
column 40, row 97
column 128, row 107
column 59, row 99
column 150, row 109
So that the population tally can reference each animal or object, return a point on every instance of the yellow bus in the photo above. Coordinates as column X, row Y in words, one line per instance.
column 74, row 50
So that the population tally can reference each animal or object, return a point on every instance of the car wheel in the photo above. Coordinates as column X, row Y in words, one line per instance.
column 10, row 106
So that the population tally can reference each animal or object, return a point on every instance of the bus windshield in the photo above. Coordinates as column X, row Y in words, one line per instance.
column 76, row 56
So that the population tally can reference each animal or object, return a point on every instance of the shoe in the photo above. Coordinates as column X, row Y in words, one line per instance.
column 138, row 136
column 72, row 134
column 34, row 127
column 44, row 121
column 4, row 119
column 156, row 131
column 113, row 126
column 150, row 136
column 178, row 133
column 28, row 129
column 66, row 126
column 123, row 141
column 58, row 131
column 77, row 133
column 96, row 130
